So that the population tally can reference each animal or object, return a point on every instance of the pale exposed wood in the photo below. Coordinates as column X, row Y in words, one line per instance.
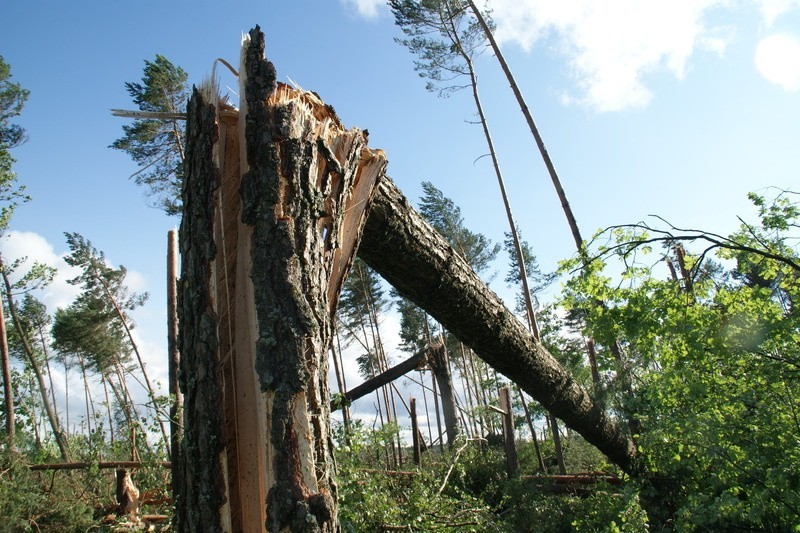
column 173, row 355
column 127, row 493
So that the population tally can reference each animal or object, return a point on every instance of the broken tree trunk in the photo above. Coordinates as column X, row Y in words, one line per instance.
column 275, row 199
column 440, row 366
column 414, row 362
column 403, row 248
column 509, row 442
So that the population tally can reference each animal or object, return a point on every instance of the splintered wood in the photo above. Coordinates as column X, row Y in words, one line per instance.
column 275, row 201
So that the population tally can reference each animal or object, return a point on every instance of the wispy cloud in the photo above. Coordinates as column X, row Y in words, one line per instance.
column 772, row 9
column 612, row 46
column 366, row 8
column 25, row 244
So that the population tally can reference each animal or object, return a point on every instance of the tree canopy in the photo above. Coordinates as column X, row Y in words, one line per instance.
column 155, row 144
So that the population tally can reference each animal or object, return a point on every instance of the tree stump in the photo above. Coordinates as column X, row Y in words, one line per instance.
column 275, row 200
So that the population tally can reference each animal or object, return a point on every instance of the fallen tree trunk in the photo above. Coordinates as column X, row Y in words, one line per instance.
column 403, row 248
column 373, row 384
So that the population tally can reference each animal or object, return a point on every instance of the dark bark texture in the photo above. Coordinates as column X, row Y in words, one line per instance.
column 403, row 248
column 278, row 200
column 305, row 196
column 200, row 485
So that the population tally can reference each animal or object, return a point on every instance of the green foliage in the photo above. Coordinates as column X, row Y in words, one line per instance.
column 158, row 145
column 444, row 38
column 716, row 359
column 477, row 495
column 372, row 500
column 539, row 280
column 12, row 100
column 529, row 509
column 445, row 217
column 35, row 502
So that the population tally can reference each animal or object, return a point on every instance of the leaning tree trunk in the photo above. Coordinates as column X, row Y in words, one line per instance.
column 275, row 199
column 401, row 246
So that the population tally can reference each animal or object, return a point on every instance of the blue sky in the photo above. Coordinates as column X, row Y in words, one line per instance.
column 676, row 109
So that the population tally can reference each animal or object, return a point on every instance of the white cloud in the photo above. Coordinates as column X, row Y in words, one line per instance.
column 19, row 244
column 778, row 60
column 772, row 9
column 369, row 9
column 610, row 46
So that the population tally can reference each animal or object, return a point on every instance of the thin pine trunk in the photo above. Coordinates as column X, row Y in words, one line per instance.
column 531, row 427
column 562, row 468
column 49, row 372
column 425, row 404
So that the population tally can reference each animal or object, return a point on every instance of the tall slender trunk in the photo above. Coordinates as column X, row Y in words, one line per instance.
column 108, row 409
column 562, row 196
column 523, row 275
column 465, row 385
column 573, row 225
column 531, row 427
column 342, row 388
column 562, row 468
column 439, row 363
column 425, row 403
column 48, row 371
column 66, row 395
column 87, row 395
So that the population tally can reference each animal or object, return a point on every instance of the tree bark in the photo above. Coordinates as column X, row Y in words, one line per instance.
column 260, row 281
column 418, row 262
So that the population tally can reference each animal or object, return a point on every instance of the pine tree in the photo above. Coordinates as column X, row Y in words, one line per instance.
column 12, row 100
column 157, row 145
column 447, row 41
column 106, row 294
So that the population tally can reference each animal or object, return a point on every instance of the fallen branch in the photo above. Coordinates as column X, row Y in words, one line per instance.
column 100, row 464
